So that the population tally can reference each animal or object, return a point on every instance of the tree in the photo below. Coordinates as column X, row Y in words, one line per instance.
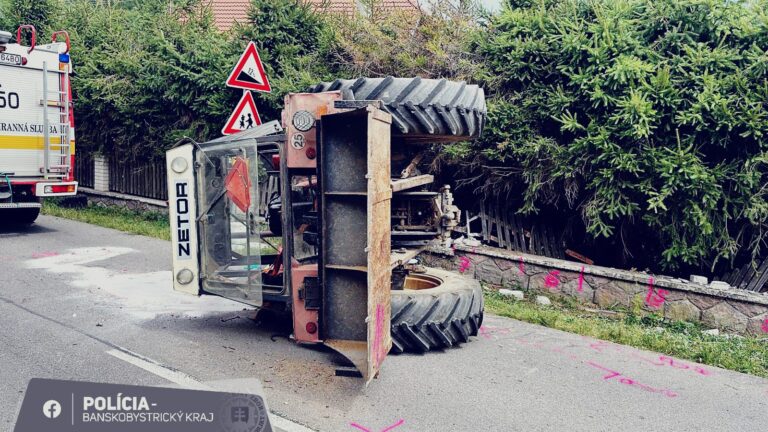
column 39, row 13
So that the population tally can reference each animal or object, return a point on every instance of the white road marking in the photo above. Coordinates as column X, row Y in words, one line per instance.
column 285, row 425
column 280, row 424
column 156, row 368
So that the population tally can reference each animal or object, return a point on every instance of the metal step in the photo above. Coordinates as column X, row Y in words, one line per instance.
column 19, row 205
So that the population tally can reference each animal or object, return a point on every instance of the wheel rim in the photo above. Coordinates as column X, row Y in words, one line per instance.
column 415, row 282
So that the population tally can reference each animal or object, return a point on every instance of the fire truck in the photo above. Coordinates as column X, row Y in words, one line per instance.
column 37, row 137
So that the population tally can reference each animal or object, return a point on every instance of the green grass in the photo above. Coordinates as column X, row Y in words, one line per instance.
column 679, row 339
column 150, row 224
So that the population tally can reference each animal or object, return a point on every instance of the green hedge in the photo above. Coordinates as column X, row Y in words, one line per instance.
column 646, row 118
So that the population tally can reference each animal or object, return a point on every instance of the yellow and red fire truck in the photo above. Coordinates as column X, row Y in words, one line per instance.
column 37, row 136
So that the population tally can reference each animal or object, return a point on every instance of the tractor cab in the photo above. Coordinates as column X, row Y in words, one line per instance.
column 257, row 220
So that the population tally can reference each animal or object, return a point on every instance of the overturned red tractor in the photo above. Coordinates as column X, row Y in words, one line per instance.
column 323, row 217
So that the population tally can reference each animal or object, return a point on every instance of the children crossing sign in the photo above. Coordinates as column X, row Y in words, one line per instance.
column 245, row 116
column 249, row 73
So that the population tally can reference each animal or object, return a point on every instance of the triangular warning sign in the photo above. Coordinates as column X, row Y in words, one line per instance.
column 238, row 184
column 245, row 116
column 249, row 73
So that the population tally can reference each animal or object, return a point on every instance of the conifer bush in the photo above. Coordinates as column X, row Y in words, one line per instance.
column 645, row 118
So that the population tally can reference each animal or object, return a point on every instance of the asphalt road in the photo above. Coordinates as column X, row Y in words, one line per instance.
column 74, row 296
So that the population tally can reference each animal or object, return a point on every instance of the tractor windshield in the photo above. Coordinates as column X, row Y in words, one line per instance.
column 230, row 222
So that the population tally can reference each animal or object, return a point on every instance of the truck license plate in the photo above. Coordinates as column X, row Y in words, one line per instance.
column 12, row 59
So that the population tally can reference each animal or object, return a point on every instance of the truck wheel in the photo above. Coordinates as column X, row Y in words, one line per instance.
column 449, row 109
column 25, row 216
column 436, row 310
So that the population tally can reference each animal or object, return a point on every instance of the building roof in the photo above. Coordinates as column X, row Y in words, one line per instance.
column 398, row 4
column 227, row 12
column 349, row 6
column 346, row 7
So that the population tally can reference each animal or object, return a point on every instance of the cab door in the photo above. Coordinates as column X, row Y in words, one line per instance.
column 228, row 178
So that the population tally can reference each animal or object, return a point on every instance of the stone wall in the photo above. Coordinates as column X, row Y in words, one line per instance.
column 128, row 202
column 730, row 310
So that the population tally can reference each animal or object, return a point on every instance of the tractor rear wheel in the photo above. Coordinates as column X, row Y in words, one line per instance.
column 435, row 310
column 437, row 108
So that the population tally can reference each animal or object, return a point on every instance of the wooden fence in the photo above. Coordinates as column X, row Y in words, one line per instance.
column 146, row 180
column 503, row 228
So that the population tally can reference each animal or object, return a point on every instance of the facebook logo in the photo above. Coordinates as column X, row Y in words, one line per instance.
column 52, row 409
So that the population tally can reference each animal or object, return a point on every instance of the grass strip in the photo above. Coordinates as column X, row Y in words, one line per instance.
column 651, row 332
column 150, row 224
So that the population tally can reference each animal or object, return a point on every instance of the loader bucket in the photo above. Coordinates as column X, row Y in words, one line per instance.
column 354, row 173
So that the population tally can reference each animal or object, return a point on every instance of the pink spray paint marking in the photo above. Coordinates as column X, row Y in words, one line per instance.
column 526, row 342
column 378, row 334
column 44, row 254
column 765, row 326
column 599, row 345
column 655, row 299
column 581, row 280
column 387, row 429
column 551, row 280
column 676, row 364
column 521, row 266
column 464, row 264
column 487, row 332
column 630, row 382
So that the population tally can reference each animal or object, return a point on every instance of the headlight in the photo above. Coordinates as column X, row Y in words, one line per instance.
column 185, row 276
column 179, row 165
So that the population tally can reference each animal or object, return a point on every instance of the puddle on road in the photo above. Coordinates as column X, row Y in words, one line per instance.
column 145, row 295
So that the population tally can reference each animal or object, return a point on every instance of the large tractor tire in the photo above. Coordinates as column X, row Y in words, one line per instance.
column 422, row 107
column 436, row 310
